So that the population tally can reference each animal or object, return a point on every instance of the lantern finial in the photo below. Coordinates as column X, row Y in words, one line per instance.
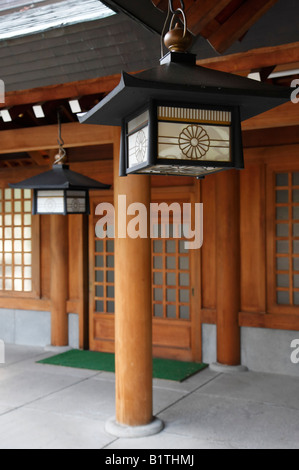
column 178, row 39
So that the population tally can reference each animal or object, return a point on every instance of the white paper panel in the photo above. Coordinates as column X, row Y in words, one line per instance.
column 138, row 147
column 50, row 202
column 193, row 142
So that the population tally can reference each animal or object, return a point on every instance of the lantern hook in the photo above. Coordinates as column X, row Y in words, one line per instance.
column 61, row 156
column 177, row 39
column 176, row 12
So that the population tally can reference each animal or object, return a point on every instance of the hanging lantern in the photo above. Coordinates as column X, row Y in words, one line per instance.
column 180, row 118
column 60, row 190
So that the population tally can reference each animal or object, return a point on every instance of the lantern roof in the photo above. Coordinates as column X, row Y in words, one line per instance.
column 179, row 80
column 60, row 177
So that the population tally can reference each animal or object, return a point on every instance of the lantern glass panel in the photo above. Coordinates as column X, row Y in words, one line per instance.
column 50, row 202
column 76, row 202
column 138, row 137
column 194, row 135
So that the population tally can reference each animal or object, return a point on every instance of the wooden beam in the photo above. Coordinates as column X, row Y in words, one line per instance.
column 239, row 23
column 74, row 135
column 38, row 158
column 100, row 85
column 285, row 153
column 270, row 137
column 201, row 13
column 254, row 59
column 282, row 321
column 42, row 305
column 284, row 116
column 101, row 170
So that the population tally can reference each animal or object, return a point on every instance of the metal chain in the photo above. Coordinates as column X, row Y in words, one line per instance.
column 176, row 12
column 62, row 152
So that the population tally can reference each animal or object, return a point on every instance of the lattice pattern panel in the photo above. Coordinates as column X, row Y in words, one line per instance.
column 287, row 238
column 104, row 276
column 15, row 240
column 171, row 279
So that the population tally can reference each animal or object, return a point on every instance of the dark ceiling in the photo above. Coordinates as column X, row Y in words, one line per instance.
column 277, row 23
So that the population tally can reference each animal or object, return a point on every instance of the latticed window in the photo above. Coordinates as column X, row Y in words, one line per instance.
column 15, row 241
column 287, row 238
column 171, row 279
column 104, row 275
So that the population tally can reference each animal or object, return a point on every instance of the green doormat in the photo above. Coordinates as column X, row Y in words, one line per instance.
column 162, row 368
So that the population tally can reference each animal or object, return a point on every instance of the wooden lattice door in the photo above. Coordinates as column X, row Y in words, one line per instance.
column 173, row 277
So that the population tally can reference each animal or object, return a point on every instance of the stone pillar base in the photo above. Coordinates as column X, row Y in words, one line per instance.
column 57, row 349
column 223, row 369
column 120, row 430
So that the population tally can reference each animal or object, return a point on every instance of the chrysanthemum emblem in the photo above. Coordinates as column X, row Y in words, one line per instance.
column 75, row 205
column 194, row 142
column 141, row 146
column 50, row 205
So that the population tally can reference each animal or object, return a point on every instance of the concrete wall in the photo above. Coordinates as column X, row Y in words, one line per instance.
column 32, row 328
column 270, row 351
column 25, row 327
column 74, row 330
column 262, row 350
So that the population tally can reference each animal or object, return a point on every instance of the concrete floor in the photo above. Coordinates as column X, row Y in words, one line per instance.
column 48, row 407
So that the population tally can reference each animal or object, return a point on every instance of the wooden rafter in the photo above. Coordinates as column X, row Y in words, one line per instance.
column 62, row 91
column 74, row 135
column 254, row 59
column 239, row 23
column 38, row 158
column 221, row 22
column 283, row 116
column 208, row 11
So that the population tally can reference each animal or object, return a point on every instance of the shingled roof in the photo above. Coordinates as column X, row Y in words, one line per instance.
column 44, row 15
column 117, row 43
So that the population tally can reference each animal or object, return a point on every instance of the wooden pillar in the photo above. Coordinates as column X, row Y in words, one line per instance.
column 133, row 308
column 59, row 279
column 228, row 267
column 84, row 292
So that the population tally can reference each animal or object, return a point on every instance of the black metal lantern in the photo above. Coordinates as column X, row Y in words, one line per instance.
column 182, row 139
column 182, row 119
column 60, row 190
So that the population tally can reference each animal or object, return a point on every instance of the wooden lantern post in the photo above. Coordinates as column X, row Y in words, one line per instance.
column 59, row 279
column 133, row 308
column 228, row 268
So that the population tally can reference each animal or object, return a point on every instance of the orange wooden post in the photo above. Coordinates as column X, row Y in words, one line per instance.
column 133, row 310
column 59, row 279
column 228, row 267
